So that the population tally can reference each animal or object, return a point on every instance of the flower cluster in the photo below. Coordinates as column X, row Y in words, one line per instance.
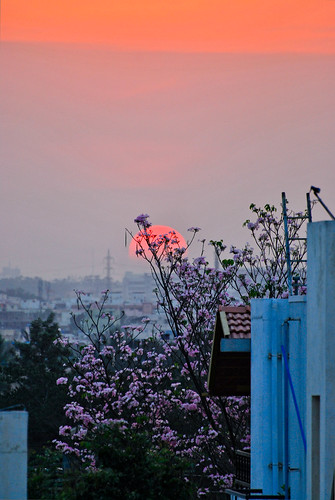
column 143, row 220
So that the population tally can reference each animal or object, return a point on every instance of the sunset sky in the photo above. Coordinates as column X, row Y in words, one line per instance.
column 186, row 110
column 182, row 25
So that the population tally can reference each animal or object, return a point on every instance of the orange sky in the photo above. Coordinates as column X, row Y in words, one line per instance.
column 182, row 25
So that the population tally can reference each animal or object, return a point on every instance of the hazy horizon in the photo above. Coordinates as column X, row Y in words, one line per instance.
column 91, row 137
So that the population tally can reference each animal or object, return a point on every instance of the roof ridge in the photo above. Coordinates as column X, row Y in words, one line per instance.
column 235, row 309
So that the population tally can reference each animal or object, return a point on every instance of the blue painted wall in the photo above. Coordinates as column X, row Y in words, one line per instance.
column 320, row 382
column 268, row 334
column 13, row 455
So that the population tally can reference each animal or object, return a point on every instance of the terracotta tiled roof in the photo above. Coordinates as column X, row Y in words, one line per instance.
column 229, row 372
column 236, row 321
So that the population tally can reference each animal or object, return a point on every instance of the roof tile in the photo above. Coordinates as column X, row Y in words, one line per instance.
column 238, row 320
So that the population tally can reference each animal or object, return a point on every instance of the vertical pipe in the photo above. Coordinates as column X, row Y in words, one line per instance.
column 273, row 334
column 289, row 378
column 286, row 424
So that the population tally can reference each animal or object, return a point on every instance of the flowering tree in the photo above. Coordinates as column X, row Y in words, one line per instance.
column 142, row 386
column 159, row 387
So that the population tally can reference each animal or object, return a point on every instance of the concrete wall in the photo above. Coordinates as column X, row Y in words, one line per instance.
column 320, row 383
column 267, row 394
column 13, row 455
column 311, row 348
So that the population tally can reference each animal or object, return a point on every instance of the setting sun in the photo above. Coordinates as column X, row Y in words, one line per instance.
column 173, row 238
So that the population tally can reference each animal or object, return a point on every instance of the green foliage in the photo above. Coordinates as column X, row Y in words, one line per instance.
column 129, row 468
column 225, row 263
column 6, row 351
column 29, row 379
column 45, row 474
column 133, row 469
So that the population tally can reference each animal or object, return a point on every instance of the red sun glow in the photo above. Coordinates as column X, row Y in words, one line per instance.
column 138, row 241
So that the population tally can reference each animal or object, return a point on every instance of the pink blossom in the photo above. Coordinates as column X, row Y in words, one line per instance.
column 141, row 218
column 62, row 381
column 252, row 226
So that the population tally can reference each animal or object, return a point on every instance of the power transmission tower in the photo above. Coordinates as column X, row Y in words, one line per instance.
column 108, row 269
column 40, row 290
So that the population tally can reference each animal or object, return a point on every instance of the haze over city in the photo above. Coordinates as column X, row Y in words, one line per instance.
column 188, row 111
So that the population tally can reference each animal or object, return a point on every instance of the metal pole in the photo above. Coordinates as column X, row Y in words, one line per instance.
column 287, row 246
column 309, row 208
column 324, row 206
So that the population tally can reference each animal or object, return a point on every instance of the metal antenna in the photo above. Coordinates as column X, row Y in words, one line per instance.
column 316, row 191
column 108, row 268
column 287, row 245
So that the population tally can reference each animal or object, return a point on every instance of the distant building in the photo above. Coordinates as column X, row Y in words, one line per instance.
column 134, row 296
column 138, row 288
column 10, row 272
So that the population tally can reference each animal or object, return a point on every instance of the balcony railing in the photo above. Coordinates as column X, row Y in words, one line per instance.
column 242, row 469
column 241, row 487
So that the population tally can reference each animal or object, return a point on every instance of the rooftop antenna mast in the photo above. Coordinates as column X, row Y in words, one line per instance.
column 289, row 239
